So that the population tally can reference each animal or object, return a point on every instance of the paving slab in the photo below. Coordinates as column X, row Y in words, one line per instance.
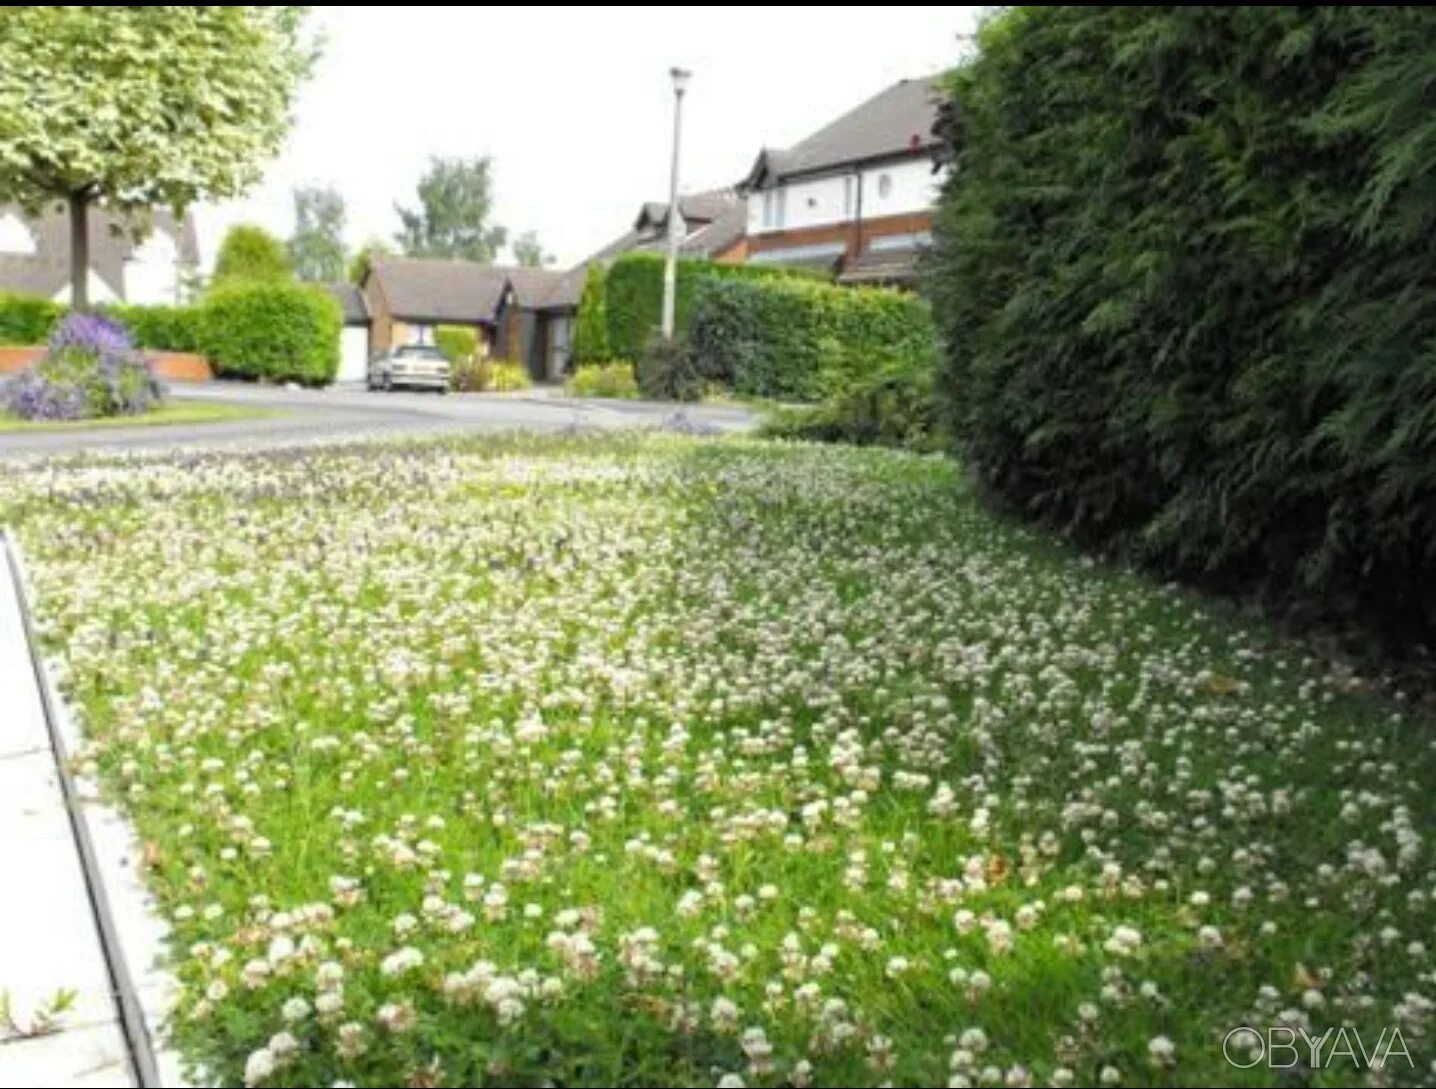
column 49, row 937
column 22, row 721
column 80, row 1058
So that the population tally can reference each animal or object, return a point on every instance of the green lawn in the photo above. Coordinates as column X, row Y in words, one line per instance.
column 171, row 412
column 648, row 761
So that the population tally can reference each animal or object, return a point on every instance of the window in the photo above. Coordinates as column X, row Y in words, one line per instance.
column 774, row 208
column 849, row 192
column 885, row 185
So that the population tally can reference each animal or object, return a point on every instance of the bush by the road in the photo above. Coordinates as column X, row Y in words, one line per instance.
column 162, row 328
column 27, row 319
column 613, row 379
column 274, row 331
column 633, row 295
column 800, row 340
column 886, row 407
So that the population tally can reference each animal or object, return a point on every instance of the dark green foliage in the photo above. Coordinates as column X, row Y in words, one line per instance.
column 633, row 295
column 667, row 370
column 277, row 332
column 590, row 334
column 27, row 319
column 1186, row 279
column 250, row 254
column 162, row 328
column 459, row 343
column 801, row 340
column 883, row 408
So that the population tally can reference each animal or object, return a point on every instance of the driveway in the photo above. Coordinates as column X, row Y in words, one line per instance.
column 304, row 415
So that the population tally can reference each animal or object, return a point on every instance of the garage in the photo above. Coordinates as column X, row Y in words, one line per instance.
column 353, row 353
column 354, row 336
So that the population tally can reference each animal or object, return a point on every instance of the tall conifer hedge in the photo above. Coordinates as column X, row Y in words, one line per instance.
column 1185, row 270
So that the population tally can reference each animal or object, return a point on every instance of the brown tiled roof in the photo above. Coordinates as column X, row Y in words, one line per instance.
column 564, row 293
column 715, row 220
column 534, row 288
column 47, row 270
column 893, row 122
column 351, row 301
column 432, row 290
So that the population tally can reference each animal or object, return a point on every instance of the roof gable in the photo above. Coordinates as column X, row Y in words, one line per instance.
column 43, row 268
column 351, row 302
column 897, row 121
column 435, row 290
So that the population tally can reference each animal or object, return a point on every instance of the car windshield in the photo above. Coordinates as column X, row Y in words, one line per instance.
column 419, row 351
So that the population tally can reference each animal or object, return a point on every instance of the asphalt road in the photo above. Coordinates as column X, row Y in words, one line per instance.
column 303, row 415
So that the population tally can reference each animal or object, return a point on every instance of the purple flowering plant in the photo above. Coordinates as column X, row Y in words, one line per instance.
column 90, row 368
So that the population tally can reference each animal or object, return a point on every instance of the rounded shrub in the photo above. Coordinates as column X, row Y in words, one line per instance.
column 278, row 332
column 613, row 379
column 667, row 370
column 90, row 369
column 505, row 377
column 459, row 343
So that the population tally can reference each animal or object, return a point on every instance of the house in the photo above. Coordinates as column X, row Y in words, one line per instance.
column 520, row 314
column 857, row 196
column 714, row 225
column 538, row 328
column 35, row 256
column 354, row 350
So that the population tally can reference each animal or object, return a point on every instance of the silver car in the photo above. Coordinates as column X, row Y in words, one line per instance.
column 420, row 366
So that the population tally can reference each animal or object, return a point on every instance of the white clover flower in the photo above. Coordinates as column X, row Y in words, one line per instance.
column 295, row 1009
column 397, row 1017
column 401, row 961
column 259, row 1067
column 1162, row 1050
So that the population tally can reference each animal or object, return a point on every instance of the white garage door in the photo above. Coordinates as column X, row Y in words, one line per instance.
column 353, row 353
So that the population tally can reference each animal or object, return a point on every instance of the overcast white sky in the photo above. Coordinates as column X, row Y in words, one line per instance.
column 574, row 104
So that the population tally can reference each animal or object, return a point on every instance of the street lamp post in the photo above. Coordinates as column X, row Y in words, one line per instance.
column 670, row 266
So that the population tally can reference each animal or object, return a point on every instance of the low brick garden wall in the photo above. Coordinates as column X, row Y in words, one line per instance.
column 170, row 366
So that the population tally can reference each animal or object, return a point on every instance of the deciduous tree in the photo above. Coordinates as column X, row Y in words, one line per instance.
column 138, row 107
column 452, row 219
column 316, row 249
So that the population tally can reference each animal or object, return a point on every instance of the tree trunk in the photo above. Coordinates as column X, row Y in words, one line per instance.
column 79, row 250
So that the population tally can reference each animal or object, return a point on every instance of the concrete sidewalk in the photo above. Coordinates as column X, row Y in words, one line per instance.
column 66, row 926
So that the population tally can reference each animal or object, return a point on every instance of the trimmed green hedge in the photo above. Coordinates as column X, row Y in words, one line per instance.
column 799, row 340
column 162, row 328
column 1186, row 276
column 276, row 331
column 27, row 319
column 633, row 295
